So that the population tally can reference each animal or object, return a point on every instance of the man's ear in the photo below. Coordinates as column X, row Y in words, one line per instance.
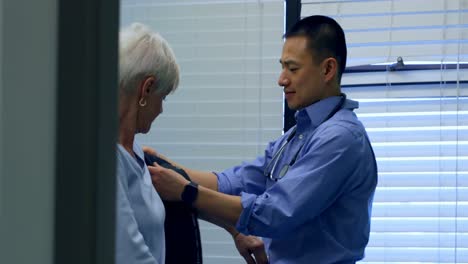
column 145, row 86
column 329, row 69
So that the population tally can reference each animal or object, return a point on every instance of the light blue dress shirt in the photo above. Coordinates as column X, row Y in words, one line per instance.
column 319, row 212
column 140, row 212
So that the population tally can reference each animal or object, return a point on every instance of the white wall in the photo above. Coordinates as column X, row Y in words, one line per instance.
column 27, row 90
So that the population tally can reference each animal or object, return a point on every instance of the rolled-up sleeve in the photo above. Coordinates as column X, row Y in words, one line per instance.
column 248, row 177
column 325, row 168
column 247, row 201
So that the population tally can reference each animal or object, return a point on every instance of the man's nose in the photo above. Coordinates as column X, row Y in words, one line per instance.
column 282, row 80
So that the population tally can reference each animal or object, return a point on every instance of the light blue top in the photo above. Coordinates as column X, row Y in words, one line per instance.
column 140, row 212
column 319, row 212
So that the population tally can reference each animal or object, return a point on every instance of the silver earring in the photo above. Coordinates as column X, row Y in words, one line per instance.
column 142, row 102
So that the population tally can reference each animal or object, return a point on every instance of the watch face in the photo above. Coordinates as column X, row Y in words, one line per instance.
column 189, row 195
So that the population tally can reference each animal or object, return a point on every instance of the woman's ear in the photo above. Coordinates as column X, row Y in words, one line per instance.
column 146, row 86
column 148, row 83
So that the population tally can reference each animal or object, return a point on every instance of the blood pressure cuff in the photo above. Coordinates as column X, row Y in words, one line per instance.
column 183, row 244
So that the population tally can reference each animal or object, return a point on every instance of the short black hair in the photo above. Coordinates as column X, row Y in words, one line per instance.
column 325, row 39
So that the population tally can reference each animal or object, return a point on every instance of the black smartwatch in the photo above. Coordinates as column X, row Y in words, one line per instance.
column 190, row 193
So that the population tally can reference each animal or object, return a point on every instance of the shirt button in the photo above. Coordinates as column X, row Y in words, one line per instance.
column 301, row 136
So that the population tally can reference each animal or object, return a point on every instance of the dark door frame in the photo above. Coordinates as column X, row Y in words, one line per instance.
column 293, row 14
column 86, row 131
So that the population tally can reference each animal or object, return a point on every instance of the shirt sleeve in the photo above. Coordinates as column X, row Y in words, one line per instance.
column 248, row 177
column 325, row 169
column 130, row 244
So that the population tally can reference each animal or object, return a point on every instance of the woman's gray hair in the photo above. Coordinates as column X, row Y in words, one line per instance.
column 144, row 53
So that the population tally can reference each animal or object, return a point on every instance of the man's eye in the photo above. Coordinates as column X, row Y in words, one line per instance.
column 293, row 69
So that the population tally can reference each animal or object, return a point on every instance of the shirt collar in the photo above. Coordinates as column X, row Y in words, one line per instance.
column 318, row 111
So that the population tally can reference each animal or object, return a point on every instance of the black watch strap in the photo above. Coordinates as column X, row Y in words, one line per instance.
column 190, row 193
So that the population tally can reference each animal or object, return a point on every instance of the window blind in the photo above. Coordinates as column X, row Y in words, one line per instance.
column 419, row 132
column 417, row 122
column 228, row 105
column 382, row 30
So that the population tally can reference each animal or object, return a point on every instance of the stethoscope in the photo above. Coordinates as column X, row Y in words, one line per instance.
column 271, row 166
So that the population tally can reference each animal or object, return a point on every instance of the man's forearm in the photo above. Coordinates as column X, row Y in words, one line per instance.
column 222, row 207
column 229, row 228
column 251, row 248
column 203, row 178
column 170, row 185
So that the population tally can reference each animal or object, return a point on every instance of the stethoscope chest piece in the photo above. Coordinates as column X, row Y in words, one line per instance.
column 283, row 172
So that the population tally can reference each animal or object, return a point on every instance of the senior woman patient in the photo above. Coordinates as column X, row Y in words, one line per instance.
column 148, row 72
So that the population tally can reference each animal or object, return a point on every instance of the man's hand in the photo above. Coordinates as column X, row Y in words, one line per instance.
column 149, row 150
column 153, row 152
column 168, row 183
column 251, row 245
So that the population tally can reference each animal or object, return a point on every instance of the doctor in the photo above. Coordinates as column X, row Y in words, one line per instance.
column 310, row 195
